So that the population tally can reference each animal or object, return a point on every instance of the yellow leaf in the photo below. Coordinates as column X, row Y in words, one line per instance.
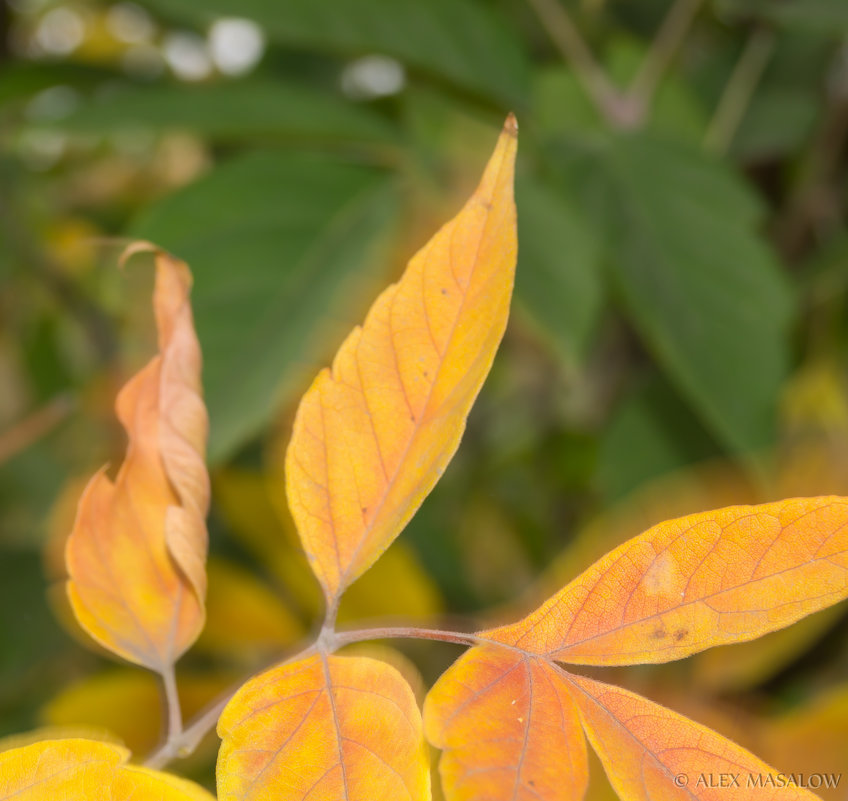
column 508, row 729
column 373, row 434
column 812, row 740
column 708, row 579
column 135, row 557
column 244, row 617
column 650, row 752
column 261, row 523
column 86, row 770
column 324, row 728
column 397, row 585
column 128, row 703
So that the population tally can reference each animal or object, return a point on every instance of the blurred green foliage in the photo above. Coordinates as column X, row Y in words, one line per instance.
column 682, row 276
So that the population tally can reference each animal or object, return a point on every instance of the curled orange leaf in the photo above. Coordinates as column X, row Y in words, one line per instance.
column 374, row 433
column 136, row 555
column 707, row 579
column 650, row 752
column 86, row 770
column 508, row 729
column 324, row 728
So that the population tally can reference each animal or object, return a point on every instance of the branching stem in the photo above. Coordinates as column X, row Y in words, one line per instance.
column 566, row 37
column 666, row 43
column 738, row 91
column 181, row 742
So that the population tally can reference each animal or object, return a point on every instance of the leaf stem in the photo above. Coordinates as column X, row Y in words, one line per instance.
column 609, row 101
column 738, row 91
column 181, row 741
column 174, row 733
column 35, row 425
column 668, row 40
column 405, row 632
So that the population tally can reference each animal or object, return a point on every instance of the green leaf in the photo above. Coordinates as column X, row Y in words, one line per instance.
column 559, row 278
column 652, row 433
column 462, row 41
column 274, row 240
column 230, row 110
column 777, row 122
column 697, row 281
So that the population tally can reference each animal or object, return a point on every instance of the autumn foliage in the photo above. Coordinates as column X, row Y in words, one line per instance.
column 371, row 438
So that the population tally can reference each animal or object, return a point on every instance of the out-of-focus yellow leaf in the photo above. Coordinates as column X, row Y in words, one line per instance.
column 396, row 586
column 737, row 667
column 689, row 584
column 244, row 617
column 817, row 394
column 71, row 242
column 326, row 727
column 136, row 555
column 373, row 434
column 247, row 502
column 508, row 730
column 813, row 740
column 86, row 770
column 650, row 752
column 128, row 703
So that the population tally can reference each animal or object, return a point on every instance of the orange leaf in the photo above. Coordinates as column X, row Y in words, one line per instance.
column 86, row 770
column 650, row 752
column 508, row 729
column 135, row 557
column 373, row 434
column 324, row 728
column 707, row 579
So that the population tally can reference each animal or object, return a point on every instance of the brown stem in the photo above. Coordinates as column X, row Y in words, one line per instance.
column 181, row 741
column 739, row 90
column 609, row 101
column 34, row 426
column 405, row 632
column 668, row 40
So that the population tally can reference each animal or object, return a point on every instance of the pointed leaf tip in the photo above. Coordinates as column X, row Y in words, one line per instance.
column 373, row 435
column 713, row 578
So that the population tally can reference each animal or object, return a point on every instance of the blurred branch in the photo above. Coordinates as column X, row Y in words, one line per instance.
column 739, row 90
column 610, row 102
column 621, row 109
column 34, row 426
column 668, row 40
